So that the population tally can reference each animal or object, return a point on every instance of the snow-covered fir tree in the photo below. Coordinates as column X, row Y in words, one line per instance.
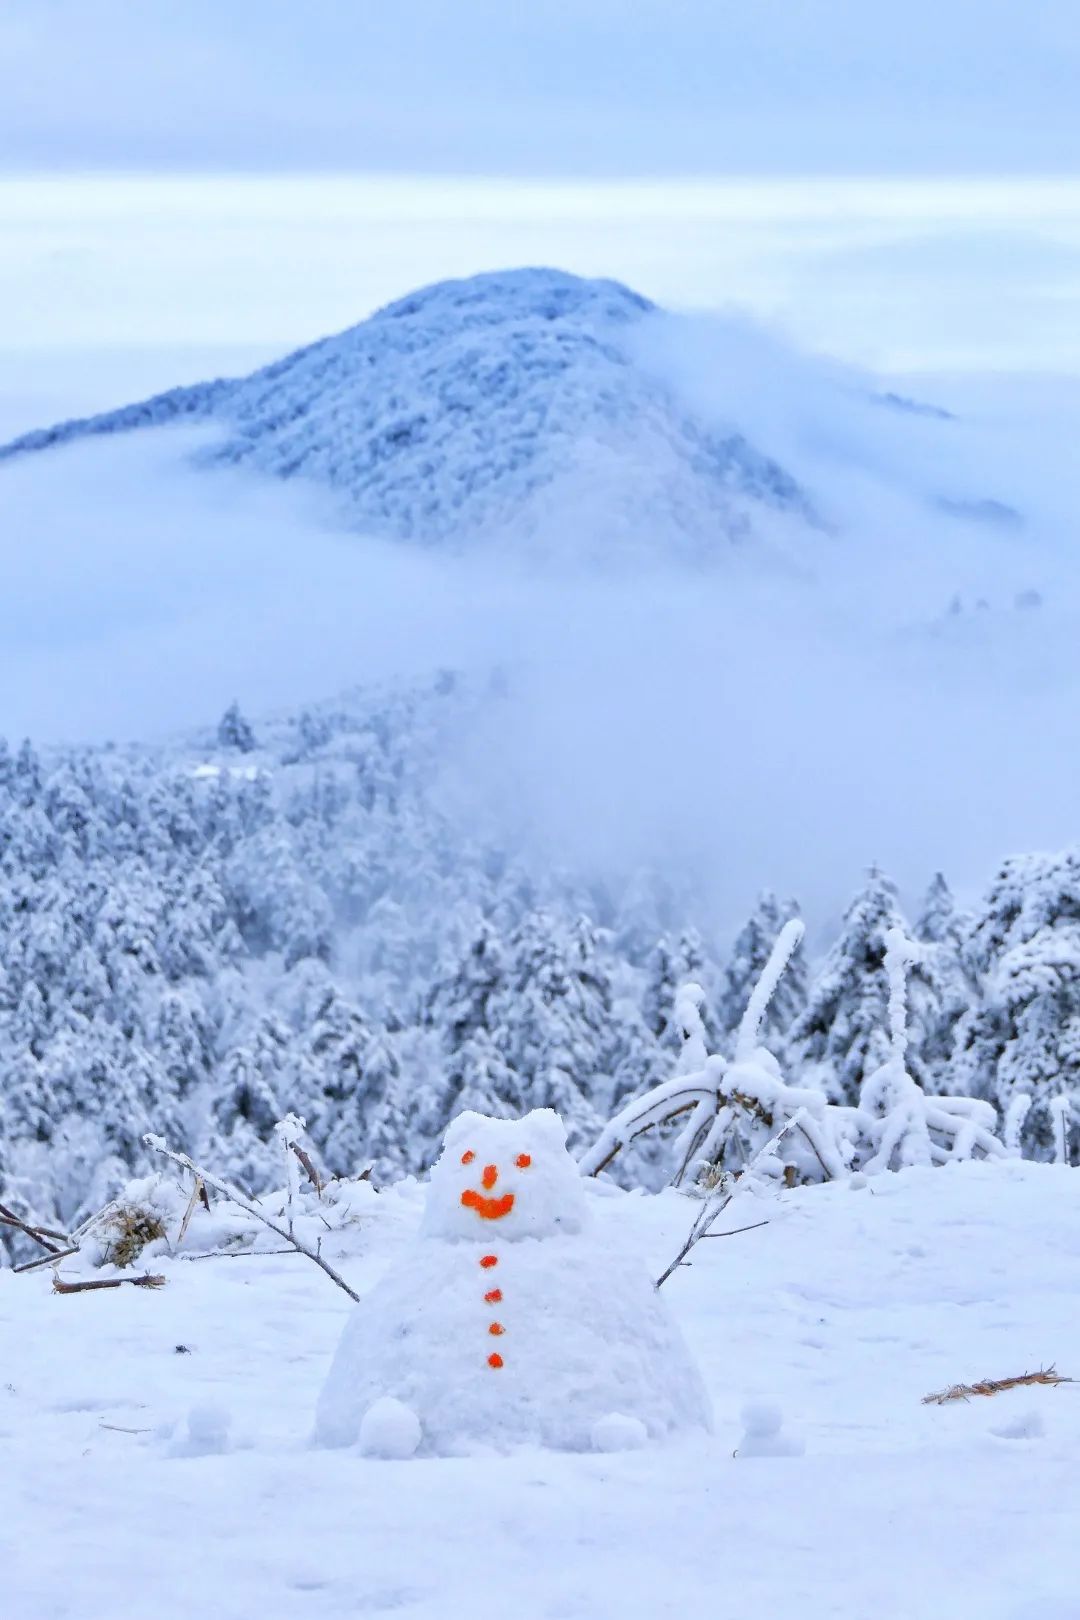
column 840, row 1036
column 940, row 988
column 1022, row 1035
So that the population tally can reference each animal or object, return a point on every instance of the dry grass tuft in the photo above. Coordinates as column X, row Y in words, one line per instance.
column 994, row 1386
column 131, row 1228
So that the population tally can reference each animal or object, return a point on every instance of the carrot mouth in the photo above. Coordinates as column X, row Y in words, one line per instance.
column 489, row 1209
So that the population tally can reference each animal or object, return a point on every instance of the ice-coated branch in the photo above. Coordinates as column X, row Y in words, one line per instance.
column 1017, row 1112
column 235, row 1196
column 746, row 1041
column 1060, row 1107
column 656, row 1107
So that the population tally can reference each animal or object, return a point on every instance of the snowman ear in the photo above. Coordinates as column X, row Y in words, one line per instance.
column 546, row 1129
column 468, row 1124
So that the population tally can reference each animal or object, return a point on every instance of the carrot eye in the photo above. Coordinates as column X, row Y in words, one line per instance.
column 467, row 1158
column 523, row 1161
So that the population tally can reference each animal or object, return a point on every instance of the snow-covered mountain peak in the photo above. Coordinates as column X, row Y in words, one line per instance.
column 510, row 405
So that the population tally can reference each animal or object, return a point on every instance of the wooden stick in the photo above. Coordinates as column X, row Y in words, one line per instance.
column 148, row 1280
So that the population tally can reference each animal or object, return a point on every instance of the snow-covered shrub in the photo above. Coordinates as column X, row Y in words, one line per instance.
column 734, row 1107
column 896, row 1121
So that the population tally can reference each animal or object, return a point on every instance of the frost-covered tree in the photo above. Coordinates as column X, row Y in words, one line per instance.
column 840, row 1037
column 1022, row 1036
column 234, row 731
column 672, row 963
column 941, row 988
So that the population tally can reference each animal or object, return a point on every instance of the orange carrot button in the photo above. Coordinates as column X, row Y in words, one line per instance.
column 496, row 1328
column 493, row 1297
column 495, row 1360
column 489, row 1260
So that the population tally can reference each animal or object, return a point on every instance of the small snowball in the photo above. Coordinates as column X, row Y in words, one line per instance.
column 207, row 1433
column 761, row 1418
column 389, row 1429
column 617, row 1432
column 763, row 1433
column 857, row 1180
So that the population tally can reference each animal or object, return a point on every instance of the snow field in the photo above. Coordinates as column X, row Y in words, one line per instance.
column 843, row 1312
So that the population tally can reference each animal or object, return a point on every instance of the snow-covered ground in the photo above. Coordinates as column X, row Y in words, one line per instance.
column 847, row 1308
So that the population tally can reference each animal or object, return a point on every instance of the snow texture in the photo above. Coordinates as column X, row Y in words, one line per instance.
column 506, row 401
column 508, row 1323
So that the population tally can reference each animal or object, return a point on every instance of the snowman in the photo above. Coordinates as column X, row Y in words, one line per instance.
column 509, row 1321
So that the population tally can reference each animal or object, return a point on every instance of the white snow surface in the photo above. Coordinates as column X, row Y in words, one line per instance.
column 509, row 403
column 844, row 1311
column 510, row 1321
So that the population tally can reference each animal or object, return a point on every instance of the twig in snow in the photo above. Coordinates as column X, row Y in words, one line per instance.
column 735, row 1230
column 714, row 1206
column 994, row 1386
column 237, row 1254
column 159, row 1145
column 149, row 1279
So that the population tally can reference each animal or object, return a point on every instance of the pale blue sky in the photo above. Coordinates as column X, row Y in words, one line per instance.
column 553, row 87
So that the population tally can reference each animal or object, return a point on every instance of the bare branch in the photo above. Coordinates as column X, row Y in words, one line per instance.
column 735, row 1230
column 714, row 1206
column 159, row 1145
column 40, row 1234
column 45, row 1260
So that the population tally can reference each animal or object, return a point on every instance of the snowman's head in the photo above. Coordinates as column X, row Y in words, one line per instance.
column 503, row 1179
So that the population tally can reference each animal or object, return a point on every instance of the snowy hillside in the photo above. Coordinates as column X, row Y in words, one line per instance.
column 511, row 401
column 160, row 1440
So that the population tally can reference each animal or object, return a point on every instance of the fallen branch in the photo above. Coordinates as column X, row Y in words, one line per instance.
column 234, row 1196
column 717, row 1202
column 149, row 1279
column 994, row 1386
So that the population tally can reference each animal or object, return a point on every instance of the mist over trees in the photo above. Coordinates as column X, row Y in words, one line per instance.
column 197, row 939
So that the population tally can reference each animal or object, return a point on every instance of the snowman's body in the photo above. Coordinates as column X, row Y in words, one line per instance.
column 507, row 1322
